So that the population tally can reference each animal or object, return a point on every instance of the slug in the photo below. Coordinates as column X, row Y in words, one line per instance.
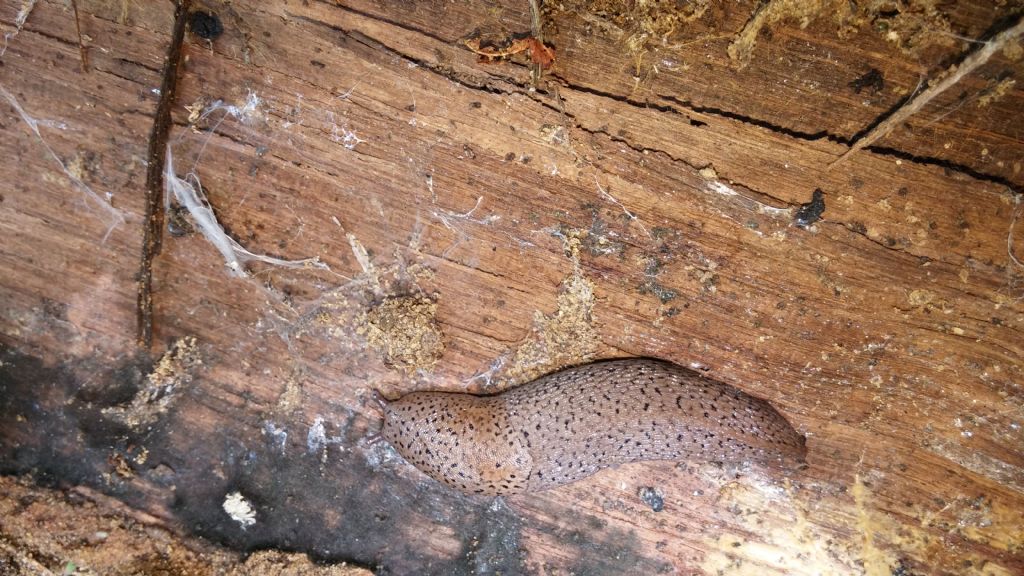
column 568, row 425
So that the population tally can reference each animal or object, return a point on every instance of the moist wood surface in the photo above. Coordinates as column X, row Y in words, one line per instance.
column 640, row 201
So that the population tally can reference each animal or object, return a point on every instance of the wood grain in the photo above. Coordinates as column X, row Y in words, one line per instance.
column 594, row 217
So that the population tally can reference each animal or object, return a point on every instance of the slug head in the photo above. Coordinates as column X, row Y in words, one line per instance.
column 461, row 440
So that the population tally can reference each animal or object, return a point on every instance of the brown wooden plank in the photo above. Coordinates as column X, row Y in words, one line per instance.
column 889, row 331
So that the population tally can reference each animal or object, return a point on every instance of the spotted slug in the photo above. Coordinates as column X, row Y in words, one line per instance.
column 570, row 424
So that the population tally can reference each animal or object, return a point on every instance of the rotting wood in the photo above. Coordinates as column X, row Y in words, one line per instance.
column 804, row 72
column 916, row 102
column 88, row 531
column 549, row 231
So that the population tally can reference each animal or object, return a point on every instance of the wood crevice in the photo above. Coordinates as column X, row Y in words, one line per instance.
column 156, row 156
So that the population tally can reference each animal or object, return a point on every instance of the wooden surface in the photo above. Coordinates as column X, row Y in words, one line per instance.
column 640, row 201
column 81, row 531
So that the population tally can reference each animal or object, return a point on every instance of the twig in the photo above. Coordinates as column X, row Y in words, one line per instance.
column 156, row 156
column 955, row 74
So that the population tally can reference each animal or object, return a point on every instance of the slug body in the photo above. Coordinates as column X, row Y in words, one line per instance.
column 568, row 425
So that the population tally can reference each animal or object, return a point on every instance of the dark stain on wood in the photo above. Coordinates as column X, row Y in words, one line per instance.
column 353, row 508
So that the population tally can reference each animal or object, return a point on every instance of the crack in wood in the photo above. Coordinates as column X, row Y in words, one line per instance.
column 909, row 106
column 50, row 36
column 523, row 90
column 745, row 119
column 849, row 227
column 676, row 106
column 136, row 63
column 948, row 165
column 154, row 193
column 830, row 137
column 796, row 134
column 375, row 17
column 450, row 74
column 126, row 79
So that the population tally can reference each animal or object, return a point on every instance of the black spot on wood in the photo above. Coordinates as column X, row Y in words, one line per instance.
column 205, row 25
column 872, row 79
column 811, row 212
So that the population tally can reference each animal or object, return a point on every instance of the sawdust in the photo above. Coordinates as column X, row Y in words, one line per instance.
column 708, row 173
column 565, row 337
column 1013, row 51
column 913, row 26
column 787, row 541
column 285, row 564
column 642, row 24
column 875, row 560
column 649, row 18
column 996, row 92
column 742, row 47
column 405, row 332
column 926, row 301
column 645, row 25
column 162, row 387
column 790, row 543
column 290, row 398
column 81, row 532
